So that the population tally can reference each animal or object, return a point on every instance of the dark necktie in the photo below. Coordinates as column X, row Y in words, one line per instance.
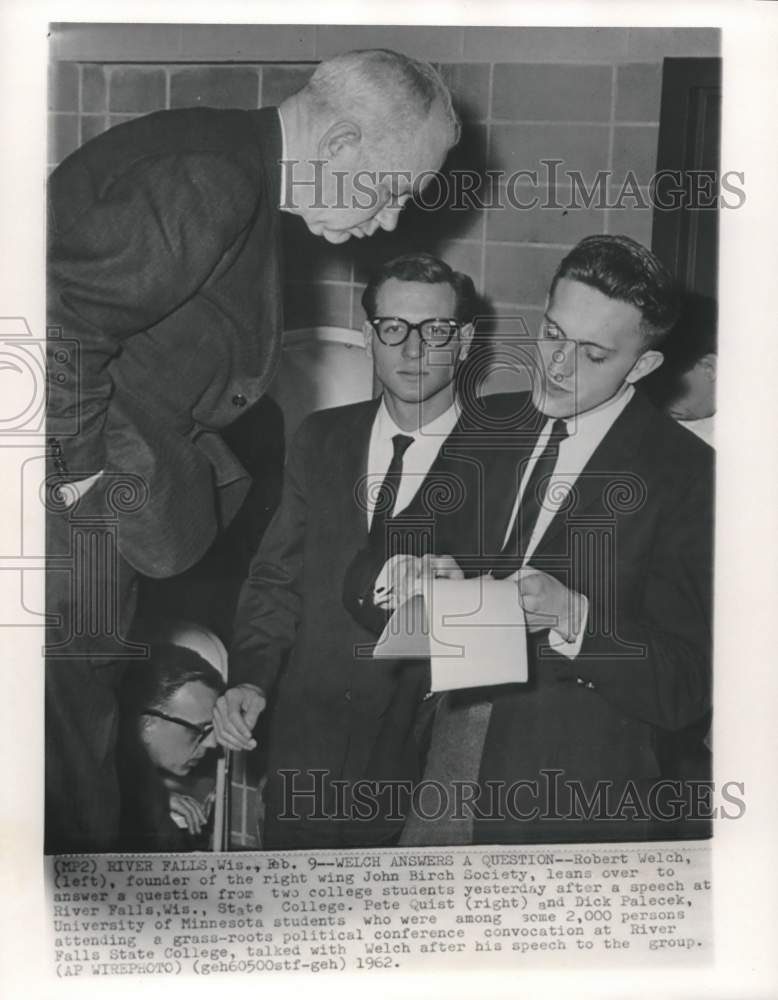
column 387, row 494
column 532, row 501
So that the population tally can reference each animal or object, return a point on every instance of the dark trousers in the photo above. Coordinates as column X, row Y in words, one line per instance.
column 91, row 592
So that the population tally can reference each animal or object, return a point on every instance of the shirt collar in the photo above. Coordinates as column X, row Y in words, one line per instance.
column 441, row 426
column 601, row 417
column 702, row 427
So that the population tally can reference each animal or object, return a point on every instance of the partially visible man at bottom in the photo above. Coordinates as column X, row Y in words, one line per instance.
column 166, row 732
column 359, row 479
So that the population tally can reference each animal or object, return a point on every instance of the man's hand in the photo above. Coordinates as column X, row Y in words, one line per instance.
column 235, row 716
column 405, row 576
column 442, row 567
column 189, row 811
column 549, row 604
column 397, row 582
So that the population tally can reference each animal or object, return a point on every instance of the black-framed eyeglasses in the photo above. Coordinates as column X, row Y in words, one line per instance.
column 200, row 733
column 434, row 332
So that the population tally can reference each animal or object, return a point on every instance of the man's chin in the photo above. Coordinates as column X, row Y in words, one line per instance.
column 333, row 235
column 182, row 770
column 554, row 404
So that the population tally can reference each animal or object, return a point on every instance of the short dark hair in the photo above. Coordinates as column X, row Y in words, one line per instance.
column 151, row 683
column 623, row 269
column 424, row 268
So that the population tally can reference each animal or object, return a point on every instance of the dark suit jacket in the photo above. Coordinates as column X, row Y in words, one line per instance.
column 332, row 707
column 636, row 539
column 164, row 307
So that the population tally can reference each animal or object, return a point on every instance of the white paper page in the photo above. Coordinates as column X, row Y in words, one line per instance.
column 472, row 630
column 478, row 636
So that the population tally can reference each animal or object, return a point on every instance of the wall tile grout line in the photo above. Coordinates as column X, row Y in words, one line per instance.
column 80, row 102
column 530, row 245
column 562, row 122
column 611, row 139
column 490, row 100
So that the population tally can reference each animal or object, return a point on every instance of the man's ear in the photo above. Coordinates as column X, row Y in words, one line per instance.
column 367, row 332
column 465, row 340
column 648, row 362
column 342, row 139
column 709, row 365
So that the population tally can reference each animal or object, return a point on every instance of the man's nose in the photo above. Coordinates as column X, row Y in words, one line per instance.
column 388, row 218
column 560, row 359
column 413, row 345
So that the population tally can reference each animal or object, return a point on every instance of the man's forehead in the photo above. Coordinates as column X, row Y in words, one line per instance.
column 415, row 294
column 414, row 164
column 583, row 312
column 192, row 699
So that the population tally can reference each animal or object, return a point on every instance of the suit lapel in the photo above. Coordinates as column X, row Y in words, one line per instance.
column 611, row 464
column 497, row 441
column 348, row 468
column 441, row 465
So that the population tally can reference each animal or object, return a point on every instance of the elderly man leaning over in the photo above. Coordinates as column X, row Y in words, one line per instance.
column 164, row 311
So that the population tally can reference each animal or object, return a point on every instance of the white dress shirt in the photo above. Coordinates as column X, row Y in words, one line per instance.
column 417, row 460
column 585, row 432
column 703, row 428
column 70, row 492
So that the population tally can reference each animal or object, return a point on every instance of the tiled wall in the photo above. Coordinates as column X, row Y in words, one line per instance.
column 589, row 97
column 592, row 117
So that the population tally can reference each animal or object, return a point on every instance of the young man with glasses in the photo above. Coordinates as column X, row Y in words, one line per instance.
column 358, row 478
column 167, row 707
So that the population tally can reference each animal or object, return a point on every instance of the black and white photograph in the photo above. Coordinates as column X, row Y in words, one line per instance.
column 285, row 302
column 376, row 465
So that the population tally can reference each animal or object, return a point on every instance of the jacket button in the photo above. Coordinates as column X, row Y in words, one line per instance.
column 238, row 399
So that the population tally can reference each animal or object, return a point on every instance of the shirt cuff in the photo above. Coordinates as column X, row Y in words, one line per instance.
column 71, row 492
column 573, row 648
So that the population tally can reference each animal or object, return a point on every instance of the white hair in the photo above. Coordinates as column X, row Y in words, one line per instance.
column 390, row 95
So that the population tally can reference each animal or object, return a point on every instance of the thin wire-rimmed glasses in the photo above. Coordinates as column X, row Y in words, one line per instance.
column 200, row 733
column 434, row 332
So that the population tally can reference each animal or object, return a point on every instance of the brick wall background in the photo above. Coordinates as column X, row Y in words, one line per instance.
column 587, row 96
